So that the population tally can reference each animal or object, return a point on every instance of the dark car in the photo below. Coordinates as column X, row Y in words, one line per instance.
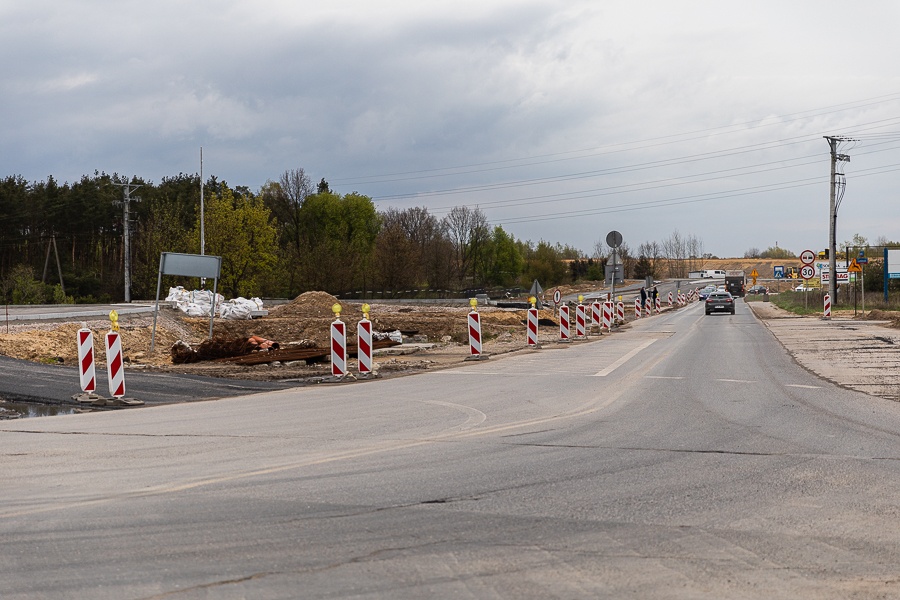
column 719, row 302
column 707, row 291
column 758, row 289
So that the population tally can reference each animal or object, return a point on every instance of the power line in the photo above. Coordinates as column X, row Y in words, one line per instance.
column 624, row 146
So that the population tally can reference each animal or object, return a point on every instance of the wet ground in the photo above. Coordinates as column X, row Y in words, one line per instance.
column 16, row 410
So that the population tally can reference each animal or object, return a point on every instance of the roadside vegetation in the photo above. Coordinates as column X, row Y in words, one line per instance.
column 66, row 243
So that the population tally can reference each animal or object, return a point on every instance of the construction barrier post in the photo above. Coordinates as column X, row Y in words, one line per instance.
column 338, row 345
column 620, row 311
column 532, row 325
column 658, row 305
column 86, row 360
column 827, row 307
column 115, row 366
column 670, row 298
column 564, row 325
column 637, row 308
column 580, row 320
column 607, row 315
column 475, row 333
column 364, row 345
column 596, row 316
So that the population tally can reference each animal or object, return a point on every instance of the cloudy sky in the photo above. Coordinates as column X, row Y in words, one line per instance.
column 560, row 120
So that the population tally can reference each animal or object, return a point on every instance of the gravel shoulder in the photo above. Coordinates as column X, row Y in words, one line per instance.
column 859, row 354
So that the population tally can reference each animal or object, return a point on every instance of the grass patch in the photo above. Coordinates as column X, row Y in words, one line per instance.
column 800, row 303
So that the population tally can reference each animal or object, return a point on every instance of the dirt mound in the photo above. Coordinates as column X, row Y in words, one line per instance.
column 884, row 315
column 57, row 343
column 308, row 304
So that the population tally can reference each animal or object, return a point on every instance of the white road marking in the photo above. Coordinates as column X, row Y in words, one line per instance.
column 805, row 387
column 735, row 381
column 623, row 359
column 662, row 377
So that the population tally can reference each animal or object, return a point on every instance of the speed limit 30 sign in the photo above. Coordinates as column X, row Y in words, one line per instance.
column 807, row 272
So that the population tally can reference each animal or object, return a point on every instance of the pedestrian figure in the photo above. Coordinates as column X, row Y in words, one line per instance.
column 643, row 296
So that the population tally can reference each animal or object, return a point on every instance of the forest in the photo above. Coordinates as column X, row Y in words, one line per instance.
column 69, row 242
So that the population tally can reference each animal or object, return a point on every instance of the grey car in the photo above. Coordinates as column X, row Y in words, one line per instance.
column 719, row 302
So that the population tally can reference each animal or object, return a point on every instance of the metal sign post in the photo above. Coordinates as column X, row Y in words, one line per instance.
column 188, row 265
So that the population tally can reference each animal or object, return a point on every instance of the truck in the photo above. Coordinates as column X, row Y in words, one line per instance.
column 734, row 282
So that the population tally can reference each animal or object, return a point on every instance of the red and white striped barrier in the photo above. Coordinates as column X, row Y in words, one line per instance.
column 827, row 307
column 564, row 329
column 620, row 311
column 364, row 346
column 658, row 305
column 86, row 360
column 670, row 298
column 637, row 308
column 681, row 299
column 338, row 348
column 596, row 315
column 532, row 332
column 115, row 366
column 607, row 315
column 648, row 306
column 474, row 334
column 580, row 318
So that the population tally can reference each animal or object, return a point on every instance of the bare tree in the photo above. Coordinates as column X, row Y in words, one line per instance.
column 397, row 257
column 467, row 230
column 652, row 251
column 285, row 198
column 601, row 250
column 695, row 253
column 675, row 250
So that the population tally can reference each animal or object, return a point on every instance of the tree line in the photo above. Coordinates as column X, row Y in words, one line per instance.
column 65, row 242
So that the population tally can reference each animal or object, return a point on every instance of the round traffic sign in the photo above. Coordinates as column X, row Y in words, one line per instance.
column 614, row 239
column 807, row 272
column 556, row 297
column 807, row 257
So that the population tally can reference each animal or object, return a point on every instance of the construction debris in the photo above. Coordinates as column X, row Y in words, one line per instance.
column 256, row 350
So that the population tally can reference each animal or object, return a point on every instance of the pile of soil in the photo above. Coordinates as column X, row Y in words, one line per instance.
column 56, row 343
column 307, row 305
column 893, row 317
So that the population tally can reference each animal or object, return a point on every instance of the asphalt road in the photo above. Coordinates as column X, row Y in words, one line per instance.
column 688, row 457
column 24, row 381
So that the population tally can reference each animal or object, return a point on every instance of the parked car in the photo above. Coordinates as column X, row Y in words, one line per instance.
column 719, row 302
column 758, row 289
column 707, row 291
column 805, row 288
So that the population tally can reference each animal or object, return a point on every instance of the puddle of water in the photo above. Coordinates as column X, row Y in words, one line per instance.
column 23, row 409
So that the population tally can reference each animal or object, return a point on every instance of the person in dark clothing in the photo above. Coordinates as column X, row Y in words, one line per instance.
column 643, row 296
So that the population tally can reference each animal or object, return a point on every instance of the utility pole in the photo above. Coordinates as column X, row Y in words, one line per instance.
column 837, row 180
column 202, row 219
column 128, row 187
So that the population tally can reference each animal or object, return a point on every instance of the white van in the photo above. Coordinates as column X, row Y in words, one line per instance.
column 714, row 274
